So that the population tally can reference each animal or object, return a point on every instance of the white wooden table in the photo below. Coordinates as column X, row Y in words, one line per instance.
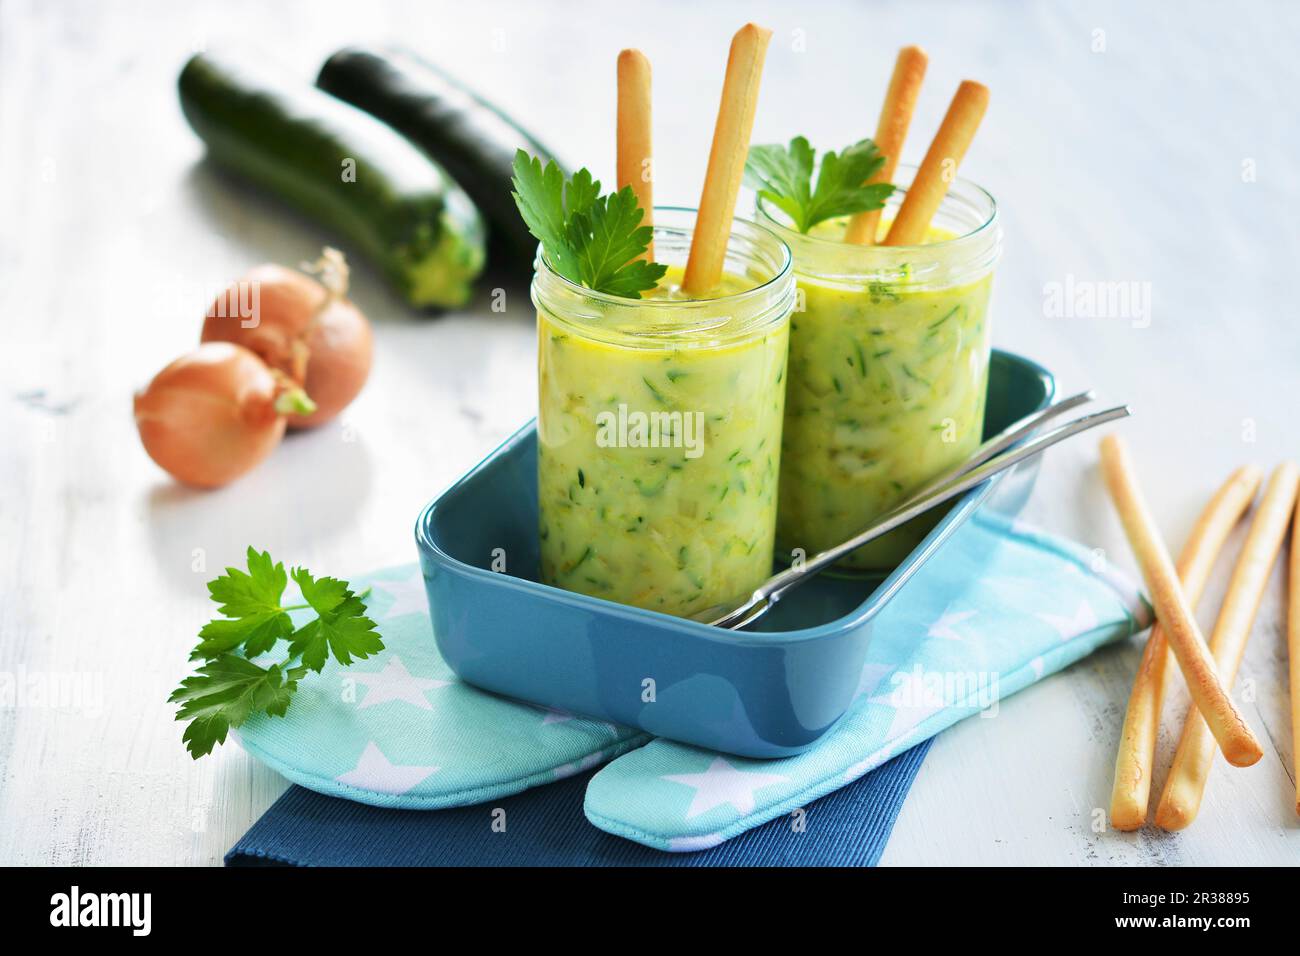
column 1144, row 145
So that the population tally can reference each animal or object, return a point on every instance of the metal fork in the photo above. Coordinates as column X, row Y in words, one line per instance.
column 990, row 459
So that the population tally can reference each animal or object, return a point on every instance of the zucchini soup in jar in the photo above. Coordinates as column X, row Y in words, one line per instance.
column 659, row 426
column 888, row 370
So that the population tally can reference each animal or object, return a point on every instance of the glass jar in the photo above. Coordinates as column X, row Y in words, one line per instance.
column 659, row 426
column 889, row 356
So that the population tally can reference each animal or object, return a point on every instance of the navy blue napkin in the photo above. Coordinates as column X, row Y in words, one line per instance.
column 545, row 826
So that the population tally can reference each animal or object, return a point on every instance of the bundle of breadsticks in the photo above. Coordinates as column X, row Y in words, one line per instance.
column 1209, row 669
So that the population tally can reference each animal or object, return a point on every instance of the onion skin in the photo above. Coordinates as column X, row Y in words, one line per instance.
column 320, row 340
column 211, row 415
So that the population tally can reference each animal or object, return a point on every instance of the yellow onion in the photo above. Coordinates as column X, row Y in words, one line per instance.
column 215, row 413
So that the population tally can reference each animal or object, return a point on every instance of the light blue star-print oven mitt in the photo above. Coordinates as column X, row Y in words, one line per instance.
column 1001, row 606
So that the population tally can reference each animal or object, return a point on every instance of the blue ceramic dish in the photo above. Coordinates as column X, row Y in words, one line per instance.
column 769, row 692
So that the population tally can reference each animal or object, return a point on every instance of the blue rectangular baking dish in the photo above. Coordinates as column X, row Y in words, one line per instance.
column 769, row 692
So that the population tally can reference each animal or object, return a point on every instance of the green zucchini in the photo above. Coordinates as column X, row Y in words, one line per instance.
column 471, row 138
column 346, row 169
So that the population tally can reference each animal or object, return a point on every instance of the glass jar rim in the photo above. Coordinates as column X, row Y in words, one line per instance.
column 760, row 304
column 787, row 260
column 975, row 251
column 989, row 219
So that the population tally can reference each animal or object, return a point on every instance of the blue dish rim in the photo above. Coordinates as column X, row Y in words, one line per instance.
column 966, row 505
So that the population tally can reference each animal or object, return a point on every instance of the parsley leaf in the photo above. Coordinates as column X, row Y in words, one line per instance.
column 783, row 177
column 225, row 691
column 539, row 194
column 342, row 628
column 229, row 687
column 590, row 239
column 253, row 600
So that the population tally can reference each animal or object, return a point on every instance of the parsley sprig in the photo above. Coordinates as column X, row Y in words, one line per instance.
column 590, row 239
column 229, row 686
column 783, row 176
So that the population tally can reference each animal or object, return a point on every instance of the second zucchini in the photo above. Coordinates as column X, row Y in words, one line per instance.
column 473, row 139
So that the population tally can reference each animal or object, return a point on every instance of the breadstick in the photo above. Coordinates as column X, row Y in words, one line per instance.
column 1185, row 785
column 939, row 168
column 634, row 153
column 1137, row 742
column 891, row 131
column 1293, row 646
column 726, row 160
column 1239, row 745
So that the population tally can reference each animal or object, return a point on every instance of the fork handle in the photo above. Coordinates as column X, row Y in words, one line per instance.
column 1001, row 442
column 793, row 576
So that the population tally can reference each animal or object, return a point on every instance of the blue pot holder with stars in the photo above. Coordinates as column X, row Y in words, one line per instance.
column 977, row 623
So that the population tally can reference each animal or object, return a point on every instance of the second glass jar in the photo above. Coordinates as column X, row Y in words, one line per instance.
column 888, row 372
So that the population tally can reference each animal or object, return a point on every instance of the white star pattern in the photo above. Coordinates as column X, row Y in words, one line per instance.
column 1024, row 529
column 375, row 772
column 723, row 784
column 943, row 628
column 586, row 763
column 556, row 716
column 862, row 766
column 395, row 682
column 1084, row 620
column 911, row 700
column 906, row 689
column 408, row 596
column 1129, row 595
column 689, row 844
column 871, row 676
